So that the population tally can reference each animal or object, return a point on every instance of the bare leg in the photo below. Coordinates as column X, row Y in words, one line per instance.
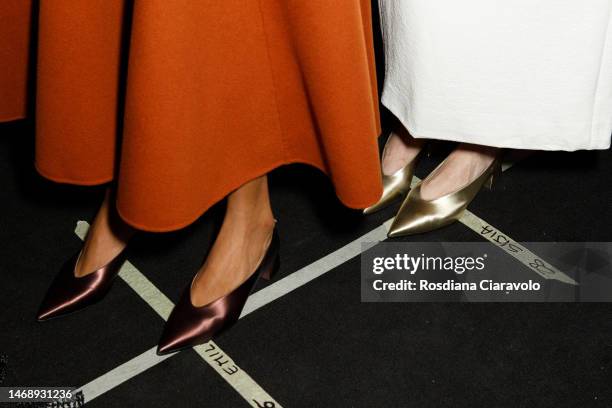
column 106, row 237
column 241, row 244
column 400, row 149
column 463, row 165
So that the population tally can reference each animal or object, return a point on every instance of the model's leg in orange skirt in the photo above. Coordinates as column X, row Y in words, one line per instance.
column 209, row 99
column 106, row 238
column 242, row 241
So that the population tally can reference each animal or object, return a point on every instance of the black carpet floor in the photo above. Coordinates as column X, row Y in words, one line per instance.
column 318, row 346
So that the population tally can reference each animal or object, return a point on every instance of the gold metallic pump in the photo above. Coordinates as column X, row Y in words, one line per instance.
column 395, row 185
column 417, row 215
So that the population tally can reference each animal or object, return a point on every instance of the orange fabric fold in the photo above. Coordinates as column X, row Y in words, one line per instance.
column 208, row 96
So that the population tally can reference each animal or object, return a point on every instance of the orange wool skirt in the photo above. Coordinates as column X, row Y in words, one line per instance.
column 181, row 102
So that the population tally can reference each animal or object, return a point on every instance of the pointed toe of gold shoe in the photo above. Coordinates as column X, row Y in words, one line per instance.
column 417, row 215
column 395, row 186
column 409, row 221
column 387, row 198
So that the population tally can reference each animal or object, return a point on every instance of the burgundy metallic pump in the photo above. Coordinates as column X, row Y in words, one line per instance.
column 190, row 325
column 69, row 293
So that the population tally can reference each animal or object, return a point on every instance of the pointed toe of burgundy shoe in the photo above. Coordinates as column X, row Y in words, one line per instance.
column 190, row 325
column 69, row 293
column 165, row 348
column 49, row 309
column 176, row 335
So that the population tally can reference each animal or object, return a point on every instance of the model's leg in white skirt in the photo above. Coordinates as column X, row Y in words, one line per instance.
column 524, row 74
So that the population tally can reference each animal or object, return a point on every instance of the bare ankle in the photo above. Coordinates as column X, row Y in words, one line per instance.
column 107, row 236
column 250, row 205
column 400, row 149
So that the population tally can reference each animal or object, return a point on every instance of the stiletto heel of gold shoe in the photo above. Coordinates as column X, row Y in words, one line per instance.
column 417, row 215
column 494, row 176
column 430, row 147
column 190, row 325
column 398, row 184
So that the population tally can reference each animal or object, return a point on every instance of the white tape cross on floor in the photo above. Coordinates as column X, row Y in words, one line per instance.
column 210, row 352
column 510, row 246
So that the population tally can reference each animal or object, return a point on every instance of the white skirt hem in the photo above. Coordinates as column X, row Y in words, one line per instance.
column 393, row 101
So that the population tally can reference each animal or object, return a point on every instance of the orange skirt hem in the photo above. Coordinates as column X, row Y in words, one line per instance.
column 4, row 119
column 263, row 171
column 65, row 180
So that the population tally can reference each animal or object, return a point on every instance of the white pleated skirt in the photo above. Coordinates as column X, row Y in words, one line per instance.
column 526, row 74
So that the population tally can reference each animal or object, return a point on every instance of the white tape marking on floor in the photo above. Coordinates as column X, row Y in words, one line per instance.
column 513, row 248
column 509, row 245
column 162, row 305
column 314, row 270
column 306, row 274
column 210, row 352
column 121, row 374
